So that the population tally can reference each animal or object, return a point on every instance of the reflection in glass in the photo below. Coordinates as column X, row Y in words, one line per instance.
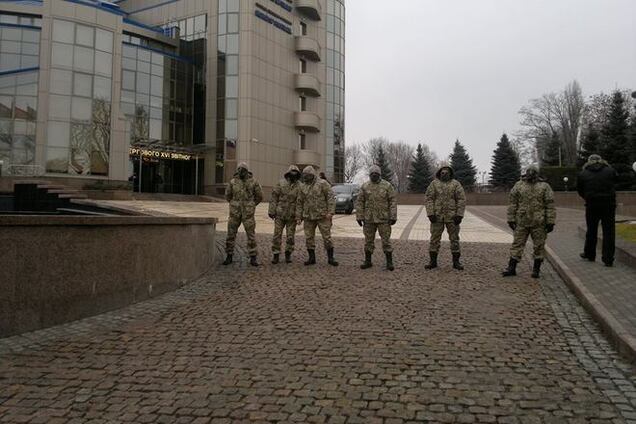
column 61, row 81
column 57, row 160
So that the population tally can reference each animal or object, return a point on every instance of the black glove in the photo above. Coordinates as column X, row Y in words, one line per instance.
column 432, row 218
column 360, row 222
column 392, row 221
column 272, row 216
column 512, row 225
column 549, row 228
column 457, row 219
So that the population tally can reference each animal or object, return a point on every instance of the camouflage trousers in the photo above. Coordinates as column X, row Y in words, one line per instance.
column 436, row 236
column 324, row 226
column 521, row 235
column 233, row 224
column 369, row 230
column 279, row 226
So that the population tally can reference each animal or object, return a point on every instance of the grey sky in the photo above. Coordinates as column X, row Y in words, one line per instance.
column 437, row 70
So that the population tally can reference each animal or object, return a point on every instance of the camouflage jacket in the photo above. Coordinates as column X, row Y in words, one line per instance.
column 315, row 201
column 283, row 203
column 531, row 205
column 376, row 202
column 244, row 196
column 445, row 200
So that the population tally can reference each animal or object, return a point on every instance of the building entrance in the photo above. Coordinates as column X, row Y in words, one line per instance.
column 167, row 176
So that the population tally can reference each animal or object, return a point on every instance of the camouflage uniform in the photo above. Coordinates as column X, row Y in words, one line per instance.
column 243, row 196
column 283, row 208
column 376, row 206
column 531, row 209
column 315, row 202
column 445, row 200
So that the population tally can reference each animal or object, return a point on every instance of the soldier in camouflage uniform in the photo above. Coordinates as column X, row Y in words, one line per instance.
column 531, row 213
column 282, row 209
column 316, row 205
column 243, row 193
column 445, row 205
column 376, row 210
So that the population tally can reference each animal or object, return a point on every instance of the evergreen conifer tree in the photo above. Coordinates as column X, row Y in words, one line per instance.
column 421, row 173
column 380, row 160
column 552, row 152
column 506, row 168
column 615, row 143
column 590, row 144
column 462, row 164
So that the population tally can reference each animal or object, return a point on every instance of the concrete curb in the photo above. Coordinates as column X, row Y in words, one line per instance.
column 624, row 342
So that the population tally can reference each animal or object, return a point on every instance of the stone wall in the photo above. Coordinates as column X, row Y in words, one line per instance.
column 626, row 200
column 55, row 269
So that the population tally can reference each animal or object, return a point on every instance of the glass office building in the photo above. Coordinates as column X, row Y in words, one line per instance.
column 170, row 95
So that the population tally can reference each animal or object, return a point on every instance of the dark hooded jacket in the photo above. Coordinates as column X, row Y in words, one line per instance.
column 445, row 199
column 596, row 183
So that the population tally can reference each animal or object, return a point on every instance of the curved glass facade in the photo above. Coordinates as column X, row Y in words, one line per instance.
column 227, row 88
column 19, row 62
column 78, row 140
column 335, row 115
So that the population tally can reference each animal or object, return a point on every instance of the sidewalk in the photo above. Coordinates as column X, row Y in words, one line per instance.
column 608, row 293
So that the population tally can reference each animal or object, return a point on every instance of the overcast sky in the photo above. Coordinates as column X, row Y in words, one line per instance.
column 437, row 70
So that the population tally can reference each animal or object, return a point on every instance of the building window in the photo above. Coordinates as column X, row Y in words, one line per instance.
column 227, row 88
column 302, row 142
column 80, row 102
column 302, row 103
column 303, row 66
column 303, row 28
column 19, row 54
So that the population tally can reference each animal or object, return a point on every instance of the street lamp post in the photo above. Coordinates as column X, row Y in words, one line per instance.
column 565, row 182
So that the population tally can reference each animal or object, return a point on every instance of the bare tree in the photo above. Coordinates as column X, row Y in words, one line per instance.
column 370, row 149
column 354, row 162
column 399, row 156
column 554, row 113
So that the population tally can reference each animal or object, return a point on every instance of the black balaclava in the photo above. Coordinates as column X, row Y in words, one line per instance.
column 243, row 173
column 308, row 178
column 532, row 175
column 294, row 176
column 445, row 174
column 375, row 177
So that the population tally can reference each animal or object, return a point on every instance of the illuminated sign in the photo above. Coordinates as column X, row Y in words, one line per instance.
column 158, row 154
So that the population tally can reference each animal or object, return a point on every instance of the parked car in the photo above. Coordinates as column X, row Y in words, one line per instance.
column 346, row 195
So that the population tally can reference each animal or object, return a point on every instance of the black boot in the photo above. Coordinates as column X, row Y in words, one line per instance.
column 536, row 269
column 228, row 259
column 330, row 260
column 276, row 258
column 433, row 261
column 367, row 260
column 253, row 261
column 312, row 257
column 389, row 261
column 288, row 257
column 512, row 268
column 456, row 264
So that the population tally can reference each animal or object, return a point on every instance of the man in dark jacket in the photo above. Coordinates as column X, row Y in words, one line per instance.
column 596, row 185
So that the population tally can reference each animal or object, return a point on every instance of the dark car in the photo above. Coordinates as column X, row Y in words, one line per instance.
column 346, row 195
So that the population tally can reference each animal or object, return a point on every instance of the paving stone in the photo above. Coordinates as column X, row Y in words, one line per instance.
column 287, row 344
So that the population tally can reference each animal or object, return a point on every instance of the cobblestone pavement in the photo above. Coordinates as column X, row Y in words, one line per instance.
column 331, row 345
column 615, row 288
